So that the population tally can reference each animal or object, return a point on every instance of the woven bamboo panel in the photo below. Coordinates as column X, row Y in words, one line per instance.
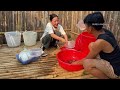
column 43, row 68
column 37, row 20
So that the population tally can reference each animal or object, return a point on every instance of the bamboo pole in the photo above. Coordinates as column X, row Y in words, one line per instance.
column 13, row 21
column 72, row 24
column 25, row 19
column 39, row 31
column 74, row 33
column 5, row 22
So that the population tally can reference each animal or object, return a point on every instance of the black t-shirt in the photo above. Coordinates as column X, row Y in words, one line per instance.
column 114, row 56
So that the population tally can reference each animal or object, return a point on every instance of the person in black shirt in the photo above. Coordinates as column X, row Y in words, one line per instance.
column 108, row 65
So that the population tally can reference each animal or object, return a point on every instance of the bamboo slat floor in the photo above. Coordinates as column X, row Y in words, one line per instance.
column 43, row 68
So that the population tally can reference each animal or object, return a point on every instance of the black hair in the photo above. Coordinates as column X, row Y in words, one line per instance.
column 52, row 16
column 95, row 20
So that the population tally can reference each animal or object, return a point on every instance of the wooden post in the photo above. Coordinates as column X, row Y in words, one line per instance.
column 72, row 23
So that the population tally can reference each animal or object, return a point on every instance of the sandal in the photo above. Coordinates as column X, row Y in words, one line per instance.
column 44, row 54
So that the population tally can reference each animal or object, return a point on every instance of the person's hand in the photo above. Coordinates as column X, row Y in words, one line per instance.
column 63, row 40
column 76, row 62
column 66, row 44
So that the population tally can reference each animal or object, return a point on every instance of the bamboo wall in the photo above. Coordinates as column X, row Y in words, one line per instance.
column 30, row 20
column 112, row 22
column 37, row 20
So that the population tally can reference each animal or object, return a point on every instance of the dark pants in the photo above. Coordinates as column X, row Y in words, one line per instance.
column 48, row 41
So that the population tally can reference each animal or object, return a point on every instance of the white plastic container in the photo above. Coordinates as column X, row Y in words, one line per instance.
column 13, row 38
column 29, row 38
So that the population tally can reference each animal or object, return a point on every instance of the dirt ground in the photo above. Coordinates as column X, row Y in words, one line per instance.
column 43, row 68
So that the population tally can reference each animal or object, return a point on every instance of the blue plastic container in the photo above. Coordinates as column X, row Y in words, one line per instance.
column 27, row 61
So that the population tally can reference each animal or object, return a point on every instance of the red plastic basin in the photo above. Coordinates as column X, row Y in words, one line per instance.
column 67, row 55
column 83, row 40
column 65, row 48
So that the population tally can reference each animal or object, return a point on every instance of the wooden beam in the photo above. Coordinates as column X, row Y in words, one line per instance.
column 37, row 31
column 72, row 23
column 74, row 33
column 43, row 30
column 2, row 33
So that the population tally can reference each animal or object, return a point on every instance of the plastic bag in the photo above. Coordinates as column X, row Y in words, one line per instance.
column 36, row 52
column 26, row 56
column 71, row 44
column 81, row 25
